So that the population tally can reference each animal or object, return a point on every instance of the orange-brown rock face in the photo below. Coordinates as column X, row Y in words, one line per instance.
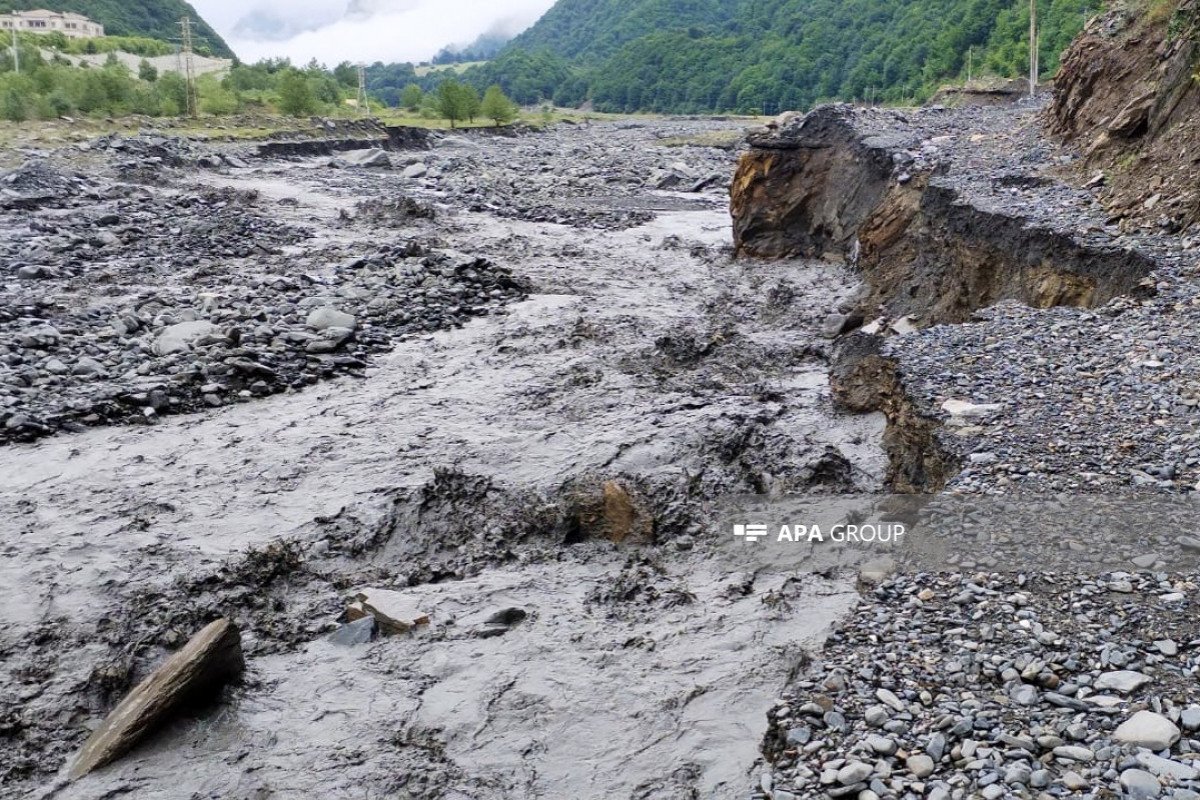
column 1127, row 96
column 803, row 190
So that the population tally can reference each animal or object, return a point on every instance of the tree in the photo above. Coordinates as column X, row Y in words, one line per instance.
column 346, row 74
column 455, row 101
column 471, row 102
column 411, row 97
column 147, row 71
column 296, row 98
column 172, row 91
column 497, row 107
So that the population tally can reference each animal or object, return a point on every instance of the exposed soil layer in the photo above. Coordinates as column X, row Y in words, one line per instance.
column 929, row 206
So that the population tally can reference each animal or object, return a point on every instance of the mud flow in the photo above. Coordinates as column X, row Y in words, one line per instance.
column 551, row 366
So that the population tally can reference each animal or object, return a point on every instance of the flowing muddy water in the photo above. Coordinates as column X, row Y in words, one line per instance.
column 453, row 471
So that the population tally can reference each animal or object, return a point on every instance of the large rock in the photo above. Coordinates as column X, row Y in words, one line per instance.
column 372, row 157
column 178, row 338
column 212, row 658
column 1140, row 785
column 329, row 317
column 1122, row 680
column 394, row 612
column 1149, row 730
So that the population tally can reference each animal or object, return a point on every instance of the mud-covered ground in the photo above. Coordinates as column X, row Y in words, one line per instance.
column 505, row 371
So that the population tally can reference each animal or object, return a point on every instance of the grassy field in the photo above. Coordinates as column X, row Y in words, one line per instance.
column 255, row 127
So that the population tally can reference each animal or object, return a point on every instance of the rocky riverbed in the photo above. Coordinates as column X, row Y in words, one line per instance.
column 440, row 429
column 500, row 376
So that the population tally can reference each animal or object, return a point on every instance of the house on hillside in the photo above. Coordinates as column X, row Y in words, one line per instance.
column 74, row 25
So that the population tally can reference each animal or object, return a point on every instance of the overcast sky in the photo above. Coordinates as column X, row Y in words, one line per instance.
column 360, row 30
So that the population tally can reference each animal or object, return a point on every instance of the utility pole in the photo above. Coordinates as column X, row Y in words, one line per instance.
column 970, row 62
column 189, row 65
column 1033, row 48
column 364, row 105
column 16, row 53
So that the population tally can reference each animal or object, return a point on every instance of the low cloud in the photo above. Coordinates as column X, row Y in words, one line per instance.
column 333, row 31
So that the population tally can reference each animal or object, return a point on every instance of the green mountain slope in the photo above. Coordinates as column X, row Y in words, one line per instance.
column 156, row 19
column 687, row 56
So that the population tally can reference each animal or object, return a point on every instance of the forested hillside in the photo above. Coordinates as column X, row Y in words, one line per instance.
column 686, row 56
column 157, row 19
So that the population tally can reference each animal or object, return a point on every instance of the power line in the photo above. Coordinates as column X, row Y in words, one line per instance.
column 362, row 102
column 1033, row 48
column 189, row 65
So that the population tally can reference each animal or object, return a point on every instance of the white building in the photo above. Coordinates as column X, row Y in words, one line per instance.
column 74, row 25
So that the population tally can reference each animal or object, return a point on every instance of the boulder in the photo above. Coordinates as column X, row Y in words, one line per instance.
column 1140, row 785
column 394, row 612
column 329, row 317
column 417, row 170
column 212, row 658
column 961, row 408
column 178, row 338
column 1122, row 680
column 1149, row 730
column 372, row 157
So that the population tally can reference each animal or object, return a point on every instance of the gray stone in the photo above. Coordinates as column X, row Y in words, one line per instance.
column 876, row 716
column 882, row 744
column 1074, row 781
column 417, row 170
column 854, row 772
column 1147, row 729
column 1024, row 695
column 1073, row 752
column 88, row 366
column 799, row 735
column 1140, row 785
column 1018, row 774
column 890, row 700
column 373, row 157
column 1123, row 681
column 212, row 658
column 394, row 612
column 1166, row 767
column 329, row 317
column 1190, row 718
column 178, row 338
column 56, row 367
column 359, row 631
column 936, row 746
column 920, row 766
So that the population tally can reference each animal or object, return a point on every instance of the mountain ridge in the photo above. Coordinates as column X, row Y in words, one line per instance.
column 764, row 56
